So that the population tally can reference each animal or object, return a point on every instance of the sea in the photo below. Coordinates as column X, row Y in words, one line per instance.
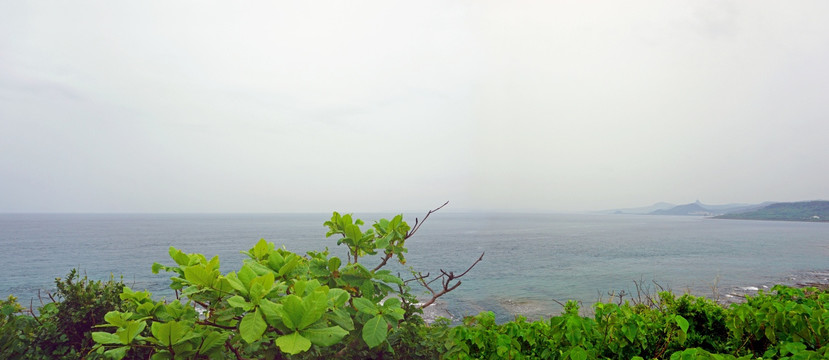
column 532, row 263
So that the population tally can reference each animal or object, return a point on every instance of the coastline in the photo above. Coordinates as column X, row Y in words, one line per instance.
column 533, row 309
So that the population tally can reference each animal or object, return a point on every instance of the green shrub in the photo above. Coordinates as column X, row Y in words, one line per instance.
column 60, row 329
column 280, row 304
column 16, row 330
column 789, row 321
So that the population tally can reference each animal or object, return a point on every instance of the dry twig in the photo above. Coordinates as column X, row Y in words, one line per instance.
column 446, row 282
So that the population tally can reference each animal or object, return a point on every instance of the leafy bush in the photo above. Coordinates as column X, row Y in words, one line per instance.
column 60, row 329
column 16, row 330
column 788, row 322
column 616, row 332
column 283, row 305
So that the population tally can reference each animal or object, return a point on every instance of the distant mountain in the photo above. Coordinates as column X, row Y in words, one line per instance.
column 793, row 211
column 740, row 208
column 639, row 210
column 687, row 209
column 699, row 209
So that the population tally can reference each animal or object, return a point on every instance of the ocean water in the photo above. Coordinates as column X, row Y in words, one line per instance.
column 531, row 263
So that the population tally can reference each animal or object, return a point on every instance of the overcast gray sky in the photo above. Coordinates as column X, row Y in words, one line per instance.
column 278, row 106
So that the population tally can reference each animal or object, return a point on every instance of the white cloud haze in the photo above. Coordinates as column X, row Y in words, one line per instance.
column 184, row 106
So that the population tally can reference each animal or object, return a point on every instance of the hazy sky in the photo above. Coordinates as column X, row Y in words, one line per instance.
column 277, row 106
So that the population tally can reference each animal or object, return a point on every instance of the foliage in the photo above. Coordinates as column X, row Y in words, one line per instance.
column 60, row 329
column 790, row 323
column 16, row 329
column 616, row 332
column 283, row 305
column 279, row 304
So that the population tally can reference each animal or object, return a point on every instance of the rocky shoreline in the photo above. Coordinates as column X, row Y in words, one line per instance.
column 534, row 309
column 436, row 310
column 817, row 279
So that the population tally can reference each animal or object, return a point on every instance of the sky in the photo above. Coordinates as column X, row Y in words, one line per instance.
column 318, row 106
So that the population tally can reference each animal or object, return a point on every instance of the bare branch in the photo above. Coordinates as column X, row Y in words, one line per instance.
column 234, row 350
column 209, row 323
column 446, row 282
column 418, row 278
column 385, row 260
column 559, row 302
column 418, row 224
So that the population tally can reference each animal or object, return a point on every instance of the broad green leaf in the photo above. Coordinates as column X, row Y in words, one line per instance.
column 261, row 249
column 192, row 290
column 271, row 311
column 394, row 314
column 199, row 275
column 382, row 224
column 299, row 287
column 341, row 318
column 245, row 275
column 117, row 353
column 275, row 260
column 258, row 268
column 392, row 310
column 315, row 305
column 325, row 336
column 630, row 331
column 169, row 333
column 375, row 331
column 389, row 278
column 353, row 232
column 179, row 257
column 391, row 302
column 383, row 242
column 365, row 305
column 252, row 326
column 367, row 288
column 334, row 264
column 770, row 334
column 105, row 338
column 223, row 286
column 293, row 343
column 147, row 308
column 290, row 265
column 293, row 310
column 234, row 281
column 213, row 264
column 211, row 341
column 118, row 318
column 129, row 332
column 257, row 291
column 683, row 324
column 338, row 297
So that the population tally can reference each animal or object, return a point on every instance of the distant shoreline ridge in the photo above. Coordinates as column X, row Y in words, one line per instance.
column 807, row 211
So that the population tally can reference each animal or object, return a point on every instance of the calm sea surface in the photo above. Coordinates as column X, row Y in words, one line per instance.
column 531, row 262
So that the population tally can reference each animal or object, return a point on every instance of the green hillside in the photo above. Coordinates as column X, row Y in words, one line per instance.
column 795, row 211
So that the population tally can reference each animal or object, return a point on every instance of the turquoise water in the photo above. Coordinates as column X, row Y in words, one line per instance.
column 532, row 261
